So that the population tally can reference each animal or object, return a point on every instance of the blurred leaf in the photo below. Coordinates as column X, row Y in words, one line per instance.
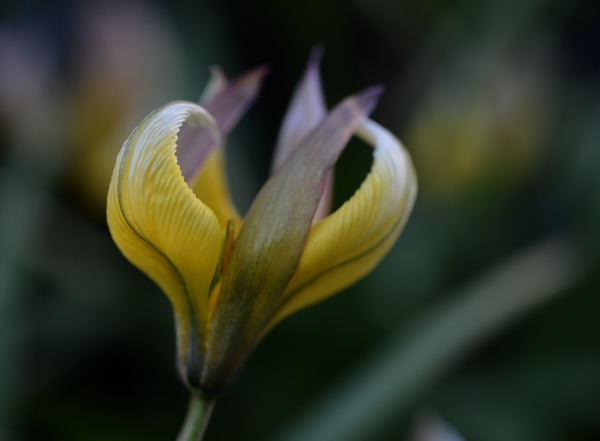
column 23, row 203
column 433, row 428
column 399, row 372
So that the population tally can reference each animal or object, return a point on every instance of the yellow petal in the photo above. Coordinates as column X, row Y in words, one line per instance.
column 348, row 244
column 211, row 188
column 162, row 227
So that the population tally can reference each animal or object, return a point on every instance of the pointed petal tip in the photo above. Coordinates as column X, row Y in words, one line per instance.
column 368, row 98
column 252, row 75
column 316, row 54
column 370, row 93
column 256, row 74
column 246, row 83
column 229, row 101
column 312, row 73
column 251, row 80
column 262, row 70
column 305, row 112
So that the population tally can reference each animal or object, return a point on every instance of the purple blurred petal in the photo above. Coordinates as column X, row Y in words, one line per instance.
column 226, row 102
column 231, row 103
column 306, row 111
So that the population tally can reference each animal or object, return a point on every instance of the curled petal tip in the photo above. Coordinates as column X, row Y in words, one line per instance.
column 162, row 228
column 349, row 243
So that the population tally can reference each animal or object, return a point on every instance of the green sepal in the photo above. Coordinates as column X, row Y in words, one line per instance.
column 270, row 243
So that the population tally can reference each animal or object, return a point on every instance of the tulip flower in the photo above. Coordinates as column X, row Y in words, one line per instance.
column 230, row 280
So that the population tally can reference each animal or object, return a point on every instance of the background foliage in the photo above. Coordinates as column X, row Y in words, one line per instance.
column 482, row 320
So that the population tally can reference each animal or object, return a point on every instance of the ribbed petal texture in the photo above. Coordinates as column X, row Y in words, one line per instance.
column 162, row 227
column 348, row 244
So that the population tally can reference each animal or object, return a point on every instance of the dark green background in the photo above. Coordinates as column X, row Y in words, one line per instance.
column 87, row 342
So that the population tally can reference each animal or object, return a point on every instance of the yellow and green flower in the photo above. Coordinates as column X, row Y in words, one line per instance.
column 231, row 279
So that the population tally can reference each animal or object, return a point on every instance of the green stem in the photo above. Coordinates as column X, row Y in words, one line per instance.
column 196, row 420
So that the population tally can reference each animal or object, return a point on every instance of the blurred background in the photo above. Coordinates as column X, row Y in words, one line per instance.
column 483, row 322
